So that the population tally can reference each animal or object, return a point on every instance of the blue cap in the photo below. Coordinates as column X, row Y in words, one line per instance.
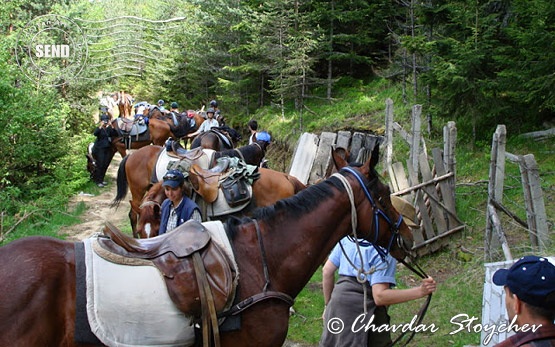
column 532, row 279
column 173, row 178
column 263, row 136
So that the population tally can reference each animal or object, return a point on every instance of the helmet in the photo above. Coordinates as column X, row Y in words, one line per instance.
column 213, row 103
column 263, row 136
column 160, row 102
column 174, row 105
column 210, row 110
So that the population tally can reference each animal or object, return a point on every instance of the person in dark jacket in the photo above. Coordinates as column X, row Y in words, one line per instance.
column 177, row 208
column 102, row 151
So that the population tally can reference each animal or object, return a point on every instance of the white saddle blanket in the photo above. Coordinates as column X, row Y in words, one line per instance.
column 164, row 159
column 129, row 306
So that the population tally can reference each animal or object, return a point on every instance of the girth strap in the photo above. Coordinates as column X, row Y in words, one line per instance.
column 208, row 309
column 256, row 298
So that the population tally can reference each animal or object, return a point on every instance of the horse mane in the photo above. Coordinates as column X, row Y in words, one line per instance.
column 295, row 206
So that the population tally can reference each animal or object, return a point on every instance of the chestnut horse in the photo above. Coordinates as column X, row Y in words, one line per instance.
column 270, row 187
column 135, row 171
column 124, row 101
column 276, row 253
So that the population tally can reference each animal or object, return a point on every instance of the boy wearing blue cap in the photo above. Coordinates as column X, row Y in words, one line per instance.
column 177, row 208
column 530, row 297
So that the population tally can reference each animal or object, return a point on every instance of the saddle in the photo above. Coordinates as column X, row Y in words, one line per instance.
column 223, row 135
column 130, row 127
column 174, row 254
column 209, row 180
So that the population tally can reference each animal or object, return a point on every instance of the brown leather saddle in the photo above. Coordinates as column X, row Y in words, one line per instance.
column 207, row 182
column 132, row 127
column 192, row 265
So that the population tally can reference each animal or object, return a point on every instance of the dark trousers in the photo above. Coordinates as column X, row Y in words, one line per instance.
column 103, row 157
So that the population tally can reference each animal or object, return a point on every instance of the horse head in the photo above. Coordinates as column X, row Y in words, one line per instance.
column 377, row 220
column 148, row 222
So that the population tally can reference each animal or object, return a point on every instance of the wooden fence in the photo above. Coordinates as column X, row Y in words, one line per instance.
column 430, row 183
column 431, row 188
column 536, row 222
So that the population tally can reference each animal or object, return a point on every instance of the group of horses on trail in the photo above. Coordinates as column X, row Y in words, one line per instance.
column 60, row 292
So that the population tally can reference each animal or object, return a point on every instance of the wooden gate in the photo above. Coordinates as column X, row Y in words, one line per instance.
column 430, row 182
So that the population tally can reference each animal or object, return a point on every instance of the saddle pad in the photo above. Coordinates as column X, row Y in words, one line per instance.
column 129, row 306
column 220, row 207
column 164, row 160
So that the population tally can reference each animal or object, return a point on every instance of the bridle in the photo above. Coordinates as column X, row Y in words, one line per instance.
column 395, row 236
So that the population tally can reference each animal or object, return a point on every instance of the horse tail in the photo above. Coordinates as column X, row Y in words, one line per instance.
column 297, row 185
column 121, row 182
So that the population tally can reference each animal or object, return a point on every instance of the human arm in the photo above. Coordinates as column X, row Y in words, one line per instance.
column 328, row 282
column 384, row 295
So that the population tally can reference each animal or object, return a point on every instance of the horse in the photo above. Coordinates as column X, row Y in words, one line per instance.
column 277, row 252
column 124, row 101
column 136, row 170
column 266, row 190
column 217, row 138
column 162, row 126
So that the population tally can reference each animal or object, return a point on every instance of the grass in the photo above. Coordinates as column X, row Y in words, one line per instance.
column 459, row 266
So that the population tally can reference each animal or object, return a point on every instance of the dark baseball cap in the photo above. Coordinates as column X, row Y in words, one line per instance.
column 532, row 279
column 173, row 178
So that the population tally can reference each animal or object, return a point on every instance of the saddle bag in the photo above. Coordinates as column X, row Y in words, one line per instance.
column 236, row 191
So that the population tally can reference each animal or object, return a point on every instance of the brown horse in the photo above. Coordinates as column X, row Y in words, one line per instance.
column 269, row 188
column 124, row 100
column 136, row 170
column 288, row 240
column 162, row 126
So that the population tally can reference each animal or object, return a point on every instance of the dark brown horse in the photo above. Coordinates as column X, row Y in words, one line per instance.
column 38, row 277
column 269, row 188
column 162, row 126
column 136, row 170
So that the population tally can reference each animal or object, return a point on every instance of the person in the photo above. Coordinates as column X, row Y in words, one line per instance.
column 529, row 299
column 107, row 105
column 176, row 208
column 208, row 124
column 174, row 108
column 345, row 299
column 253, row 128
column 217, row 112
column 102, row 149
column 161, row 105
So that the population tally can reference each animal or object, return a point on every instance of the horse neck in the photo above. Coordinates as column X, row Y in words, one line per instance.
column 296, row 247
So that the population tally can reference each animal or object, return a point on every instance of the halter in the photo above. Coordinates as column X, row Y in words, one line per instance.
column 378, row 212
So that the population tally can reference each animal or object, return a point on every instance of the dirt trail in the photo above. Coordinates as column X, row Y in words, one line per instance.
column 98, row 208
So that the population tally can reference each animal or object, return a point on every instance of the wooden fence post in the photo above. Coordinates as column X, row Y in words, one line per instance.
column 416, row 130
column 449, row 159
column 389, row 141
column 495, row 185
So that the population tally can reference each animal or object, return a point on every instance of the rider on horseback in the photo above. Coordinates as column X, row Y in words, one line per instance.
column 208, row 124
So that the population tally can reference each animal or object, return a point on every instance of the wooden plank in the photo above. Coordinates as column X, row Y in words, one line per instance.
column 401, row 179
column 434, row 180
column 438, row 216
column 357, row 143
column 427, row 229
column 537, row 203
column 416, row 126
column 321, row 168
column 343, row 139
column 301, row 165
column 445, row 189
column 388, row 158
column 495, row 185
column 500, row 233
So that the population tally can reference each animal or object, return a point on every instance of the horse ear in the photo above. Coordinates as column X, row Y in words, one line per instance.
column 338, row 159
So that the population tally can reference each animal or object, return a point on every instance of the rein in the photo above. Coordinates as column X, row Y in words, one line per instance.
column 361, row 273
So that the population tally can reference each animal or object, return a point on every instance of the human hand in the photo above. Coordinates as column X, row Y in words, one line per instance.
column 324, row 313
column 428, row 286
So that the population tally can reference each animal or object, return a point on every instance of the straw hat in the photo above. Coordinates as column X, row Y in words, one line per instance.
column 406, row 210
